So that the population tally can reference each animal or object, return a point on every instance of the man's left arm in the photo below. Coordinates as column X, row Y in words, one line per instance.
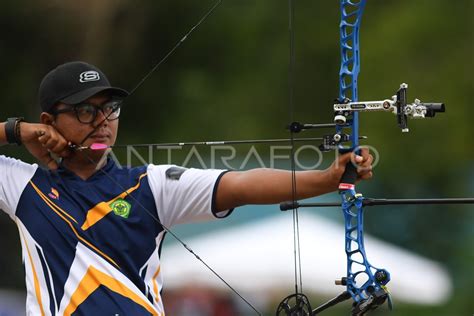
column 270, row 186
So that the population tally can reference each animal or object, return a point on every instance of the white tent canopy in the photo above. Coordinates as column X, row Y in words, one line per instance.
column 259, row 257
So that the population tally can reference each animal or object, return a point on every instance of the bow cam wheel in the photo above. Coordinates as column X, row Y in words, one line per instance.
column 294, row 305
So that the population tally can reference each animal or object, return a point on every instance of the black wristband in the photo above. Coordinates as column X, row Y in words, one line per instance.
column 12, row 130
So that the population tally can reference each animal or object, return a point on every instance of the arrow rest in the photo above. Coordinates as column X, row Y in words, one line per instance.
column 331, row 142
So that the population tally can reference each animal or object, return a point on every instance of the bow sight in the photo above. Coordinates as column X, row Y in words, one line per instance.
column 397, row 105
column 344, row 109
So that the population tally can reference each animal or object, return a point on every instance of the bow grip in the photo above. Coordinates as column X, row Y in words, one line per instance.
column 349, row 177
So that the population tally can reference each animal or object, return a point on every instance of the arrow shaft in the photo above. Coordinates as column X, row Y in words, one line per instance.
column 226, row 142
column 205, row 143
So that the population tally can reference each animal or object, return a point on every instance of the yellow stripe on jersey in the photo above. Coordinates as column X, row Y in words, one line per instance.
column 155, row 284
column 99, row 211
column 51, row 203
column 95, row 278
column 35, row 275
column 52, row 206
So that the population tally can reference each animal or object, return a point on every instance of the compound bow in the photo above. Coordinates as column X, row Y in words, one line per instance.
column 365, row 284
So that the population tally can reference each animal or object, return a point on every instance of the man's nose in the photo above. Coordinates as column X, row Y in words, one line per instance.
column 101, row 118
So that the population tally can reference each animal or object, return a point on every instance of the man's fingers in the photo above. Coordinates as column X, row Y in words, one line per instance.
column 364, row 169
column 358, row 159
column 363, row 161
column 49, row 161
column 366, row 165
column 364, row 151
column 370, row 159
column 344, row 159
column 44, row 142
column 53, row 143
column 59, row 147
column 63, row 152
column 43, row 137
column 366, row 176
column 52, row 164
column 365, row 154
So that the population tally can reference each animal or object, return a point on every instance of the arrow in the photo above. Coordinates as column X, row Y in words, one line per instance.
column 99, row 146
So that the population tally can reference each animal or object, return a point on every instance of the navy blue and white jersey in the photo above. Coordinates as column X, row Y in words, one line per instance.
column 91, row 247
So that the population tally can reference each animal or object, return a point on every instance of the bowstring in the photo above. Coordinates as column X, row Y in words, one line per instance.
column 291, row 100
column 165, row 228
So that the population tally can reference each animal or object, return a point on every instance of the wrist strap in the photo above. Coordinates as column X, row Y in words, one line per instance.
column 12, row 130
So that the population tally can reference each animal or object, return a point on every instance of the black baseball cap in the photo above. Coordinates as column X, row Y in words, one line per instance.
column 73, row 83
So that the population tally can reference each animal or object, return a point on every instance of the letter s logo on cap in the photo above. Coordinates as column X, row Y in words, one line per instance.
column 90, row 75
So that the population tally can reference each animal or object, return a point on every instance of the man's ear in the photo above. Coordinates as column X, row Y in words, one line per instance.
column 47, row 118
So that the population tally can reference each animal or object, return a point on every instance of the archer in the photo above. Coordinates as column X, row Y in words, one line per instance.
column 91, row 231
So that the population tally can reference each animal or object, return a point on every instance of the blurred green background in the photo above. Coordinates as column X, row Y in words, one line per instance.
column 229, row 80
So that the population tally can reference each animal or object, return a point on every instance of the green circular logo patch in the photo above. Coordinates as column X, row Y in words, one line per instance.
column 121, row 208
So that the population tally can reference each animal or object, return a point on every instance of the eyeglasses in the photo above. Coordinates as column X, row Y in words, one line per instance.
column 87, row 113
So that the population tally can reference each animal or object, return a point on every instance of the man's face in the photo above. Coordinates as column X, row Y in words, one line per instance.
column 75, row 131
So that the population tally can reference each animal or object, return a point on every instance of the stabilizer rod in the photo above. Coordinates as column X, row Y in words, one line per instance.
column 344, row 296
column 285, row 206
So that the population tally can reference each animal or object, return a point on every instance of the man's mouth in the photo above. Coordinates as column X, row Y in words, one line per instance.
column 100, row 137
